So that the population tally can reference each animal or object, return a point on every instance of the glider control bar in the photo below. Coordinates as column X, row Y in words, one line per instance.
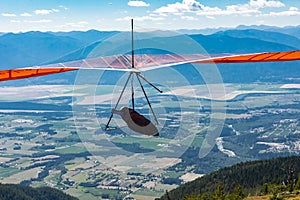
column 14, row 74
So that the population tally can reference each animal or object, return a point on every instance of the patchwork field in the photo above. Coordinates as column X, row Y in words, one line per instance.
column 54, row 136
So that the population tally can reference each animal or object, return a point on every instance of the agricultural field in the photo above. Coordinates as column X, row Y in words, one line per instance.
column 54, row 136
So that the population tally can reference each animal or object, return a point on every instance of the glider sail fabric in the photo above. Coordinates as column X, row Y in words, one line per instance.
column 123, row 62
column 170, row 60
column 144, row 62
column 14, row 74
column 257, row 57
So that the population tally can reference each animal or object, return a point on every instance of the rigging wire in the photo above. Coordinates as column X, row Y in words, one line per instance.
column 132, row 63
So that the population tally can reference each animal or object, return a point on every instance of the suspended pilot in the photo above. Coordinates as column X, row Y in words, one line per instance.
column 137, row 122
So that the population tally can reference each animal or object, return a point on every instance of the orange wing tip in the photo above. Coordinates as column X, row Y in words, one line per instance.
column 14, row 74
column 258, row 57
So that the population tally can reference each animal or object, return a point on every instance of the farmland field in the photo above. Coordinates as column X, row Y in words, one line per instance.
column 54, row 136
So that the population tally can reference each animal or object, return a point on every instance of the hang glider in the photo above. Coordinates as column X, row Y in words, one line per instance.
column 144, row 62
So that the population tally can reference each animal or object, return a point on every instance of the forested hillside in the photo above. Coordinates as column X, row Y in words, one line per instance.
column 21, row 192
column 251, row 176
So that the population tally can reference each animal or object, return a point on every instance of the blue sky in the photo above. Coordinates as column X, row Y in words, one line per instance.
column 66, row 15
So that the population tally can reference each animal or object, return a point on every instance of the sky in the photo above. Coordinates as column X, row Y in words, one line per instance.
column 67, row 15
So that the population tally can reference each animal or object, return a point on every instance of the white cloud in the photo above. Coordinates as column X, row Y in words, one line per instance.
column 155, row 15
column 25, row 15
column 266, row 3
column 80, row 24
column 293, row 11
column 83, row 22
column 190, row 18
column 8, row 15
column 45, row 12
column 240, row 9
column 38, row 21
column 247, row 11
column 210, row 17
column 185, row 6
column 138, row 4
column 252, row 7
column 63, row 7
column 15, row 21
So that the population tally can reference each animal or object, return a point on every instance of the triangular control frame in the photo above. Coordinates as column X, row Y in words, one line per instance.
column 131, row 77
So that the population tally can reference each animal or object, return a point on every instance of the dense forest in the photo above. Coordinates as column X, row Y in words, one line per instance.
column 251, row 178
column 21, row 192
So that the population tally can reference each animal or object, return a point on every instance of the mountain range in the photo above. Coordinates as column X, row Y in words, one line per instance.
column 35, row 48
column 290, row 30
column 40, row 48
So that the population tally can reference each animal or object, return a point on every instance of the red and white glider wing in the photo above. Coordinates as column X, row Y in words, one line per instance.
column 144, row 62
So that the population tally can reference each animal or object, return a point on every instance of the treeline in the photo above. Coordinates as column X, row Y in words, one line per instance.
column 273, row 192
column 21, row 192
column 219, row 194
column 250, row 176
